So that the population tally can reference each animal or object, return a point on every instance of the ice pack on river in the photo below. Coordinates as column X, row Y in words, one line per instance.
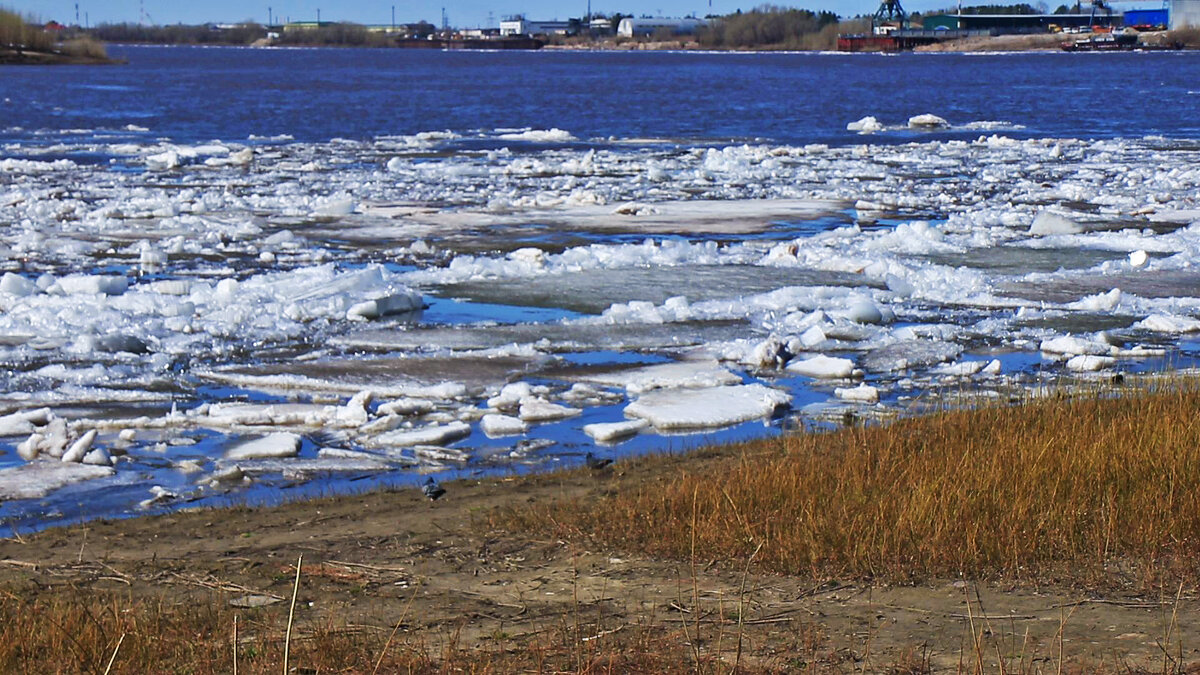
column 233, row 274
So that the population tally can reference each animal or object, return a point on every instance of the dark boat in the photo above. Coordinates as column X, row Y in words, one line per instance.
column 471, row 43
column 1113, row 42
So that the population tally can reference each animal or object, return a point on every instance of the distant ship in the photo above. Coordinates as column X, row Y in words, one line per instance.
column 1113, row 42
column 515, row 42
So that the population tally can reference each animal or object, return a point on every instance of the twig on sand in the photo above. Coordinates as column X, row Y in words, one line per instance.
column 602, row 633
column 222, row 585
column 403, row 614
column 287, row 640
column 235, row 644
column 113, row 658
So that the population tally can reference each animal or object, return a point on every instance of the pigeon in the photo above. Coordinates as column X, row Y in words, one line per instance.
column 596, row 463
column 432, row 489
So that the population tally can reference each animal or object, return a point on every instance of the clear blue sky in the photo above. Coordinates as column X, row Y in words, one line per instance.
column 462, row 13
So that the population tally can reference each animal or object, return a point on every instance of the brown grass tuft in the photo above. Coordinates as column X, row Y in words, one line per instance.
column 1060, row 483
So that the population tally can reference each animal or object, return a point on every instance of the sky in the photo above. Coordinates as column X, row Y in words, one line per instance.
column 460, row 13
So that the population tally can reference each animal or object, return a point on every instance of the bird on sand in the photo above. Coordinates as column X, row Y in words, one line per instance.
column 596, row 463
column 432, row 489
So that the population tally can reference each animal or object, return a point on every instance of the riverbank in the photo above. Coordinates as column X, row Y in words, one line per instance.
column 552, row 571
column 18, row 57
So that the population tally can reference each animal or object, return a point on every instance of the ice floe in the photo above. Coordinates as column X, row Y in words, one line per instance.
column 711, row 407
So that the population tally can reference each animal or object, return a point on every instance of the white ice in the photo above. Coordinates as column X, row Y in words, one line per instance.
column 711, row 407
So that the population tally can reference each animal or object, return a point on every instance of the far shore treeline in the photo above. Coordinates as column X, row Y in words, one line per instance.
column 764, row 27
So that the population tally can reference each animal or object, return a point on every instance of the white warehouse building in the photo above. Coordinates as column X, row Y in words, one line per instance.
column 522, row 26
column 633, row 27
column 1185, row 13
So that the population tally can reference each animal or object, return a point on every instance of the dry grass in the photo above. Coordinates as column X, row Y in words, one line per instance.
column 16, row 32
column 84, row 47
column 80, row 633
column 1074, row 484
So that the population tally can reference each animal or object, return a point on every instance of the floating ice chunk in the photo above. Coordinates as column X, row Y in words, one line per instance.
column 712, row 407
column 230, row 474
column 436, row 453
column 865, row 311
column 335, row 207
column 502, row 425
column 158, row 495
column 961, row 369
column 866, row 125
column 397, row 303
column 909, row 354
column 80, row 447
column 406, row 406
column 98, row 457
column 171, row 287
column 822, row 367
column 899, row 286
column 1101, row 302
column 606, row 432
column 29, row 448
column 1050, row 223
column 535, row 256
column 993, row 367
column 151, row 260
column 863, row 393
column 540, row 410
column 539, row 136
column 1090, row 363
column 1069, row 344
column 354, row 413
column 163, row 161
column 302, row 468
column 812, row 337
column 682, row 374
column 77, row 284
column 1139, row 259
column 437, row 434
column 927, row 121
column 24, row 422
column 1159, row 323
column 396, row 164
column 272, row 445
column 256, row 414
column 38, row 479
column 511, row 394
column 15, row 284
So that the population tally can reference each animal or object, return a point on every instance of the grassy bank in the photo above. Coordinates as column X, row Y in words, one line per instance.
column 23, row 42
column 1020, row 537
column 1063, row 484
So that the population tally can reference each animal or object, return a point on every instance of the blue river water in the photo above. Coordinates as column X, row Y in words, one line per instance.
column 634, row 127
column 196, row 94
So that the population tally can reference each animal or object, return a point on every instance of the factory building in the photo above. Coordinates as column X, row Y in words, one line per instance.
column 1185, row 13
column 647, row 26
column 521, row 26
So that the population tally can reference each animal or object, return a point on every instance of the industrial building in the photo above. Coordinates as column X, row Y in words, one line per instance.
column 1003, row 24
column 647, row 26
column 519, row 25
column 1185, row 13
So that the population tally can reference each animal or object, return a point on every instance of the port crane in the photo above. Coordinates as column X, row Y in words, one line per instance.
column 890, row 11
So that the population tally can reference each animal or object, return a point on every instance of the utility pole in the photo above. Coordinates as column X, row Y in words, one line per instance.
column 393, row 18
column 77, row 14
column 270, row 22
column 318, row 17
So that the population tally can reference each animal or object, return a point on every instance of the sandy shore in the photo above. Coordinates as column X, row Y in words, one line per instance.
column 366, row 557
